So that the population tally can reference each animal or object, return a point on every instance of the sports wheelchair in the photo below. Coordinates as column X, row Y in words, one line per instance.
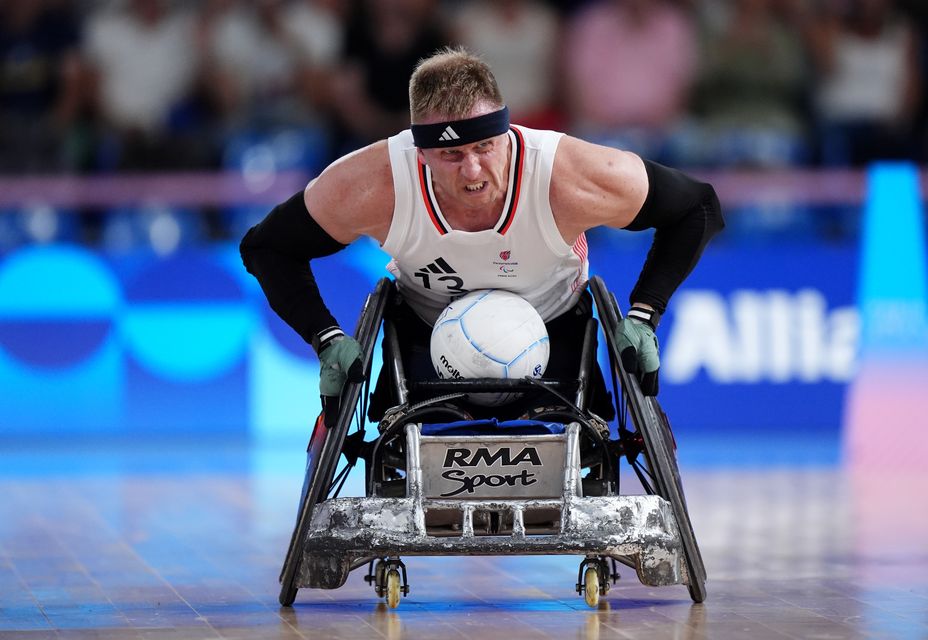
column 439, row 482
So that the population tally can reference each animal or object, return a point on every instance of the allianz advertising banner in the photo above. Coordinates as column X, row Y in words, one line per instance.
column 760, row 338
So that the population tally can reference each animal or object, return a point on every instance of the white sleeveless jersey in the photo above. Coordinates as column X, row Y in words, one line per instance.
column 523, row 253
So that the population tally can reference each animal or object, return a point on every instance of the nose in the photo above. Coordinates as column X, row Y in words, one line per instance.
column 470, row 167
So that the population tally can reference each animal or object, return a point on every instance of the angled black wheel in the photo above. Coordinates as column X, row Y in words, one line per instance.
column 653, row 435
column 661, row 454
column 287, row 596
column 326, row 445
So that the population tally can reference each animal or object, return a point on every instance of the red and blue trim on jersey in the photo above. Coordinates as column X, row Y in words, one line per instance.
column 580, row 247
column 515, row 185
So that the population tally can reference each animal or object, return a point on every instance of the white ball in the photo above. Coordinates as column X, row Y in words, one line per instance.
column 490, row 333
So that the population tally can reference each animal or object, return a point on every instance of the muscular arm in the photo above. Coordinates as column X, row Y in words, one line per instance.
column 594, row 185
column 352, row 197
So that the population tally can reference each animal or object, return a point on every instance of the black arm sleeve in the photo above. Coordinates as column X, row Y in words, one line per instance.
column 686, row 214
column 277, row 252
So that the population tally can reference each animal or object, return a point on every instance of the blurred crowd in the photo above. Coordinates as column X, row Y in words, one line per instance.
column 96, row 86
column 258, row 87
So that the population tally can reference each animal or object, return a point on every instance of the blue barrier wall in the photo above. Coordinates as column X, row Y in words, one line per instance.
column 761, row 338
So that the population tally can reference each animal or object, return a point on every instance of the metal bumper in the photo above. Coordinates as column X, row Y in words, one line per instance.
column 637, row 530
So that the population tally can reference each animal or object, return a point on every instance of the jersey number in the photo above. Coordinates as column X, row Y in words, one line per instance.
column 453, row 284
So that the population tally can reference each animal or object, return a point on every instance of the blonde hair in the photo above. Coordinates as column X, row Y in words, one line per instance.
column 449, row 83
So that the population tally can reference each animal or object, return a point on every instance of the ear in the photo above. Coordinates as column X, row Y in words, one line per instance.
column 421, row 156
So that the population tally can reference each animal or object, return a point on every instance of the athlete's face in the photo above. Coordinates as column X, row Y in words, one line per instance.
column 473, row 175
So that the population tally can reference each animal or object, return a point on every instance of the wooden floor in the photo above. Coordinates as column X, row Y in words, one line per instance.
column 186, row 543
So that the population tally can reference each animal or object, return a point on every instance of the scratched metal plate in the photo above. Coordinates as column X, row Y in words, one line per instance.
column 493, row 467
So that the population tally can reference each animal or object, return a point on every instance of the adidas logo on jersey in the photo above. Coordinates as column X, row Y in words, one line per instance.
column 448, row 134
column 439, row 273
column 438, row 266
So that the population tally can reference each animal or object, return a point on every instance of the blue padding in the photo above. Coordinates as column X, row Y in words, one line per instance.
column 492, row 427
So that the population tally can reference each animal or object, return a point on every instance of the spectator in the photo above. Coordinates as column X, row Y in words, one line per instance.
column 384, row 41
column 39, row 84
column 267, row 63
column 869, row 83
column 751, row 89
column 519, row 40
column 629, row 65
column 917, row 10
column 144, row 69
column 317, row 29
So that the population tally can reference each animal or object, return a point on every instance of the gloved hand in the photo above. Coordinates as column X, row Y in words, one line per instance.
column 339, row 360
column 638, row 348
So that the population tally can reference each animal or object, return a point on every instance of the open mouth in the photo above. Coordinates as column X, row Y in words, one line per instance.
column 476, row 187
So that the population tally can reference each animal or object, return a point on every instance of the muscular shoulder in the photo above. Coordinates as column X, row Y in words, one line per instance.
column 593, row 185
column 354, row 195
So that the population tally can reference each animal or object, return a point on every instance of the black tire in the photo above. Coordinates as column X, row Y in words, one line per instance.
column 653, row 427
column 287, row 596
column 697, row 567
column 325, row 445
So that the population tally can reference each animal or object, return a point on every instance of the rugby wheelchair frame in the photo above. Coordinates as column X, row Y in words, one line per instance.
column 401, row 515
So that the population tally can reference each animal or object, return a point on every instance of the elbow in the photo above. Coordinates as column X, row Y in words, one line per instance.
column 715, row 222
column 247, row 248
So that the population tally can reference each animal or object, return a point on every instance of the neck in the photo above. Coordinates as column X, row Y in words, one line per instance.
column 474, row 220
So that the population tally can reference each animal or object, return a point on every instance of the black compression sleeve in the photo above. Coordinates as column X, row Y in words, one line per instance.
column 686, row 214
column 277, row 252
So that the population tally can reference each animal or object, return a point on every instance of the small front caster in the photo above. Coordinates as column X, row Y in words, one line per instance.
column 591, row 586
column 393, row 588
column 375, row 577
column 593, row 579
column 388, row 576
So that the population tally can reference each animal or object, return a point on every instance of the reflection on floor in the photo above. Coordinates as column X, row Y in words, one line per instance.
column 168, row 543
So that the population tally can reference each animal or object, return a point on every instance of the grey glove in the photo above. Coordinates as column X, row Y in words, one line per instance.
column 638, row 347
column 340, row 360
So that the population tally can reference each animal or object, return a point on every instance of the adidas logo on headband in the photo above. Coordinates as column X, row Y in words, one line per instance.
column 460, row 132
column 449, row 134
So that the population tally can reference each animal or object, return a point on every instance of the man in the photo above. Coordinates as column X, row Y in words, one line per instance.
column 462, row 194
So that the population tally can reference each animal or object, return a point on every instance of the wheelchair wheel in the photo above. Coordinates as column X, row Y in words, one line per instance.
column 325, row 445
column 653, row 430
column 393, row 588
column 287, row 597
column 591, row 586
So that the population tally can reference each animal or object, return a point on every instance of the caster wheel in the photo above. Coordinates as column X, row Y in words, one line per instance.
column 393, row 588
column 379, row 589
column 591, row 586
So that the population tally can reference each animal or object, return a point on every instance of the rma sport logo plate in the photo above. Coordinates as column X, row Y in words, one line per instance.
column 472, row 468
